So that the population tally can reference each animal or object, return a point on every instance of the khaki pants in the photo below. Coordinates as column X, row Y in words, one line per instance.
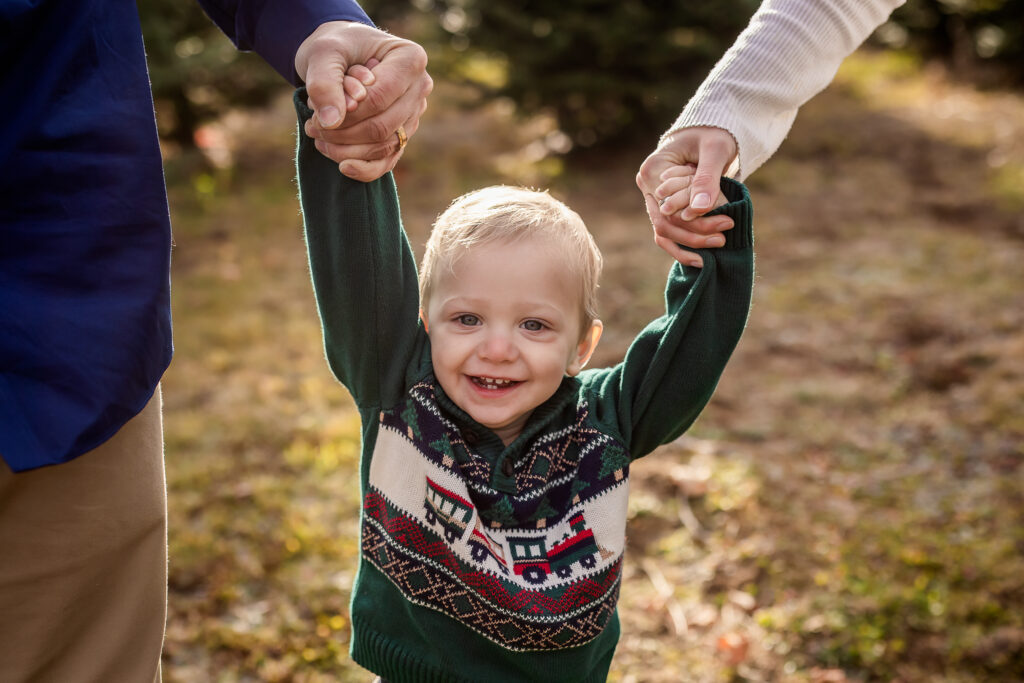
column 83, row 563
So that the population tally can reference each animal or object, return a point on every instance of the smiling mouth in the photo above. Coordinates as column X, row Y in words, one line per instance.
column 493, row 383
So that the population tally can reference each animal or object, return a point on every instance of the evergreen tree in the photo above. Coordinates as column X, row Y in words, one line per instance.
column 966, row 34
column 502, row 513
column 614, row 459
column 609, row 69
column 195, row 71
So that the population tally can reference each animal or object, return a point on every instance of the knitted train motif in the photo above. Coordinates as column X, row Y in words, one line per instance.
column 530, row 556
column 538, row 569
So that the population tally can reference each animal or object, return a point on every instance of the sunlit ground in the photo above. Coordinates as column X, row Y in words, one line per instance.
column 850, row 505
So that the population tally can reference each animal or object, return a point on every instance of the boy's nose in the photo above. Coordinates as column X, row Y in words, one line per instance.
column 498, row 346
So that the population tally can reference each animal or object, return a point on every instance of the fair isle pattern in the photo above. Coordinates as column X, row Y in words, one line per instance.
column 577, row 459
column 520, row 621
column 535, row 570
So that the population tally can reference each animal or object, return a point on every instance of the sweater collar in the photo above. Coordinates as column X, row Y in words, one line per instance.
column 487, row 444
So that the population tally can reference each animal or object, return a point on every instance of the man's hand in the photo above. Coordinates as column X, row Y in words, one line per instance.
column 681, row 182
column 363, row 84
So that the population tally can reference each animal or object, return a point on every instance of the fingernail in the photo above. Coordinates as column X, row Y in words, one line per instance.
column 369, row 78
column 716, row 241
column 701, row 201
column 329, row 116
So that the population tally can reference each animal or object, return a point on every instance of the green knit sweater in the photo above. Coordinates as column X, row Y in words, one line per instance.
column 480, row 561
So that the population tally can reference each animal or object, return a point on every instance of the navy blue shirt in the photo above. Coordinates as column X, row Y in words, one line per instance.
column 85, row 325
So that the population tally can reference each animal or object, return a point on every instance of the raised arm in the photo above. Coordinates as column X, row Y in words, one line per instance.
column 673, row 366
column 364, row 274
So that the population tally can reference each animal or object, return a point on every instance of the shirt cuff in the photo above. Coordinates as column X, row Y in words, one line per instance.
column 284, row 24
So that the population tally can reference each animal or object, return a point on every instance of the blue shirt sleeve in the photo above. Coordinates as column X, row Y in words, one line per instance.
column 275, row 28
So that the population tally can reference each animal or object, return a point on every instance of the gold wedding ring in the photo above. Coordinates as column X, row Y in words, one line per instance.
column 403, row 139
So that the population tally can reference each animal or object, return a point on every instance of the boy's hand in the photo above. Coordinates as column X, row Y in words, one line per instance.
column 706, row 153
column 363, row 84
column 672, row 196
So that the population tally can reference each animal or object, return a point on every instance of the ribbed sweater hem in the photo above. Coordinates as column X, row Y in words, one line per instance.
column 389, row 660
column 392, row 662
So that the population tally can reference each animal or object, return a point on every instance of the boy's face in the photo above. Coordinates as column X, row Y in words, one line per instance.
column 504, row 326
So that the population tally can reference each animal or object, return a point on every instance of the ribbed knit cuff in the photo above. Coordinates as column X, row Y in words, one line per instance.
column 741, row 211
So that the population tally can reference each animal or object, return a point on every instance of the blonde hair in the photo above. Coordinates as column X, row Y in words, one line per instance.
column 503, row 212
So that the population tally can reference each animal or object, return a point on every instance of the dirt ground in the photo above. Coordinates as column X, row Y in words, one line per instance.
column 849, row 506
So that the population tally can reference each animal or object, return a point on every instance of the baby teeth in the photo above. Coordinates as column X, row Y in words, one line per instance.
column 490, row 381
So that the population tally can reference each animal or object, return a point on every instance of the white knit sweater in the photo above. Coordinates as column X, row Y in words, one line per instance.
column 787, row 54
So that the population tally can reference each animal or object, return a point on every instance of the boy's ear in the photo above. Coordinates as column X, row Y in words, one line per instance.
column 423, row 317
column 585, row 349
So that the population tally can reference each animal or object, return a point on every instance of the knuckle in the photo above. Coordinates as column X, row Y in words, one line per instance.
column 645, row 167
column 376, row 99
column 320, row 89
column 316, row 87
column 377, row 131
column 334, row 137
column 703, row 177
column 334, row 154
column 418, row 57
column 381, row 151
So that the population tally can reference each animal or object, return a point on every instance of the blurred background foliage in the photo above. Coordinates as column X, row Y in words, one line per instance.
column 195, row 71
column 610, row 71
column 980, row 40
column 850, row 506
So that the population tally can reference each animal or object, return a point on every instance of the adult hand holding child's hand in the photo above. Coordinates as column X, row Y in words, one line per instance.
column 368, row 89
column 681, row 182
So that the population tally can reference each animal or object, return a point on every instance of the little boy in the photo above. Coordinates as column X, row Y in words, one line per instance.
column 494, row 469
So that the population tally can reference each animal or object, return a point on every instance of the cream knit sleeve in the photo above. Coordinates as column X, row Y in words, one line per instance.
column 787, row 54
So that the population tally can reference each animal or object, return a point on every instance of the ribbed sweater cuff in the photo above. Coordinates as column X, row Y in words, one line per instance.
column 741, row 211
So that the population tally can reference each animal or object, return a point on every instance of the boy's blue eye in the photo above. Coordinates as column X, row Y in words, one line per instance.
column 533, row 325
column 468, row 319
